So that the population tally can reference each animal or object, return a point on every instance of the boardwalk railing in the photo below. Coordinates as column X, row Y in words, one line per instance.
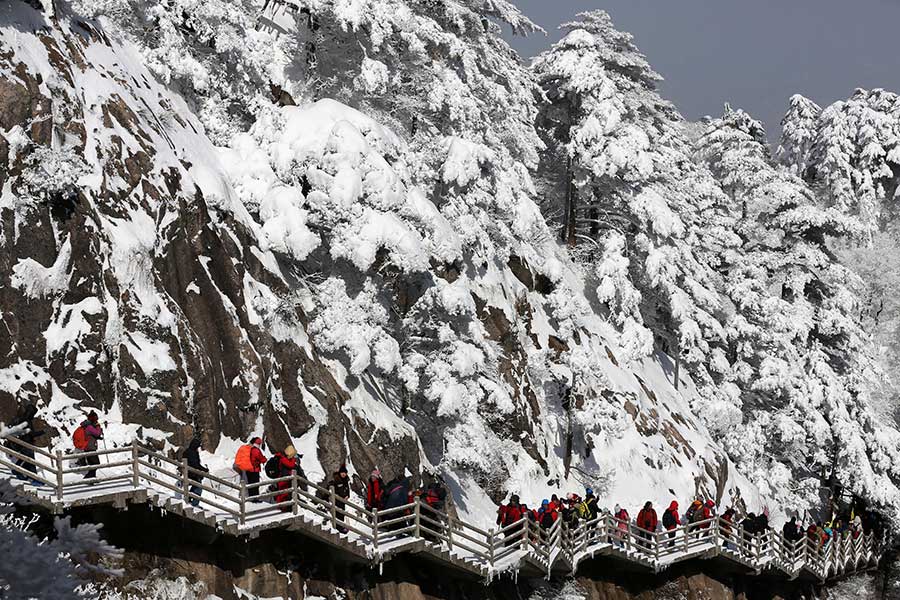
column 136, row 473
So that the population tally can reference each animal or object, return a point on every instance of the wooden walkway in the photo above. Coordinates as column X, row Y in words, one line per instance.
column 136, row 474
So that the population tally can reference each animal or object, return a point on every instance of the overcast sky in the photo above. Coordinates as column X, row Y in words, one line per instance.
column 752, row 53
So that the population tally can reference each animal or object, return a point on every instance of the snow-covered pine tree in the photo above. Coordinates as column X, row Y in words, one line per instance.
column 632, row 198
column 440, row 75
column 798, row 134
column 210, row 52
column 798, row 354
column 854, row 156
column 449, row 173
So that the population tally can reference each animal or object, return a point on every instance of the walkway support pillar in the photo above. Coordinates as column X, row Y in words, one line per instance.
column 295, row 495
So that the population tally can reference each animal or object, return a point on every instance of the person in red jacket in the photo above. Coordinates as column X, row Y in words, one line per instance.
column 248, row 462
column 288, row 462
column 511, row 513
column 546, row 515
column 671, row 520
column 375, row 491
column 647, row 521
column 707, row 513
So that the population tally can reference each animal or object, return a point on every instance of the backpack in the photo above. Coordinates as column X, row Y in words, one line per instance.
column 693, row 512
column 242, row 460
column 80, row 439
column 273, row 467
column 668, row 520
column 583, row 510
column 510, row 514
column 375, row 494
column 547, row 519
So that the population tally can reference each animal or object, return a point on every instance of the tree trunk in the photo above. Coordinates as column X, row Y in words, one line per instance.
column 568, row 231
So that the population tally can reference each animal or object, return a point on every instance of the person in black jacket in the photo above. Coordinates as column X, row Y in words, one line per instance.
column 25, row 417
column 397, row 495
column 192, row 455
column 791, row 531
column 340, row 483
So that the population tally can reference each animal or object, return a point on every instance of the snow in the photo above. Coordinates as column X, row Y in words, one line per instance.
column 150, row 355
column 38, row 281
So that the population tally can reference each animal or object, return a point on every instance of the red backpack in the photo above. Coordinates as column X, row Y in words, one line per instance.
column 80, row 438
column 511, row 514
column 374, row 494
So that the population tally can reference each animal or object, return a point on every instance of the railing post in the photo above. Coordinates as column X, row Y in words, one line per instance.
column 295, row 494
column 655, row 548
column 375, row 528
column 526, row 529
column 491, row 546
column 243, row 507
column 135, row 464
column 332, row 498
column 716, row 538
column 418, row 518
column 184, row 481
column 449, row 532
column 59, row 475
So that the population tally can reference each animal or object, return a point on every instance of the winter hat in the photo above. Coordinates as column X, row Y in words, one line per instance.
column 92, row 417
column 343, row 469
column 674, row 505
column 545, row 503
column 589, row 492
column 290, row 452
column 514, row 498
column 617, row 509
column 256, row 441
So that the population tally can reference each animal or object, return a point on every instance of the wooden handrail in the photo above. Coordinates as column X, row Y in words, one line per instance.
column 32, row 447
column 144, row 467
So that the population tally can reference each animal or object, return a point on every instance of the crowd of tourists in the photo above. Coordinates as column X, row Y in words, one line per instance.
column 250, row 462
column 395, row 496
column 574, row 510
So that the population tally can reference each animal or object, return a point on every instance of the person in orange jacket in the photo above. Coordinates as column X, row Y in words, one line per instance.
column 248, row 463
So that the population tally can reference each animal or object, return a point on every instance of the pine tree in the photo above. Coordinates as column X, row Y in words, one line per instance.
column 850, row 151
column 632, row 196
column 796, row 348
column 798, row 134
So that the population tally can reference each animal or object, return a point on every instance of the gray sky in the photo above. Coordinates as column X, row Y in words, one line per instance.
column 752, row 53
